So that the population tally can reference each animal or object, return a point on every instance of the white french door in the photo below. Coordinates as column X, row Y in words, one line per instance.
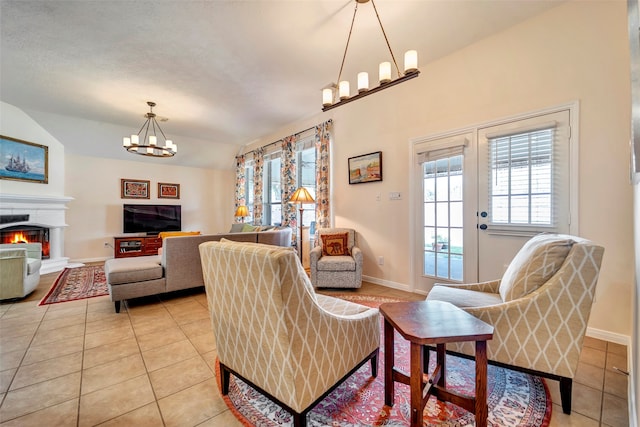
column 480, row 194
column 445, row 208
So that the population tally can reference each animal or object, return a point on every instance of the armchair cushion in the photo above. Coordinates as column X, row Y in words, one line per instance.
column 464, row 297
column 337, row 263
column 335, row 244
column 538, row 260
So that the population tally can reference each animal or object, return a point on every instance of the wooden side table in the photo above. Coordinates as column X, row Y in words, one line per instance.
column 427, row 323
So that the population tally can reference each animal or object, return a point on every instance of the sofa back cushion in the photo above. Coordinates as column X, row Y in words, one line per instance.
column 538, row 260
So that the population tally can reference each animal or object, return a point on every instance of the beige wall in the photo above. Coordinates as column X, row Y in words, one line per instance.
column 95, row 216
column 553, row 59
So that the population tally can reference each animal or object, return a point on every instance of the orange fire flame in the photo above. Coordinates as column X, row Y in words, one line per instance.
column 19, row 238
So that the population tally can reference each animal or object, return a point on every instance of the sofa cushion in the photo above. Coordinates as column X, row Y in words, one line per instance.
column 336, row 263
column 248, row 227
column 463, row 297
column 128, row 270
column 236, row 228
column 335, row 244
column 538, row 260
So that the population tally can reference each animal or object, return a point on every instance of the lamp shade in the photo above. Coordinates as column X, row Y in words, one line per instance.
column 301, row 195
column 242, row 211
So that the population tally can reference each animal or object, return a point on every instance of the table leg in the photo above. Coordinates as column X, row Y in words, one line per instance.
column 440, row 359
column 416, row 384
column 481, row 383
column 389, row 391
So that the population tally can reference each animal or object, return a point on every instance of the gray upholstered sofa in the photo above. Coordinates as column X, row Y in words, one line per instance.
column 178, row 267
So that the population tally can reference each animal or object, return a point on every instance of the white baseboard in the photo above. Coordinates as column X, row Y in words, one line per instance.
column 609, row 336
column 387, row 283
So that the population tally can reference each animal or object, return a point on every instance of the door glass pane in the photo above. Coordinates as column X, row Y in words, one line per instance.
column 443, row 218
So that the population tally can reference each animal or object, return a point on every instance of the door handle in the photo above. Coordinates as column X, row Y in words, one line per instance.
column 483, row 214
column 483, row 226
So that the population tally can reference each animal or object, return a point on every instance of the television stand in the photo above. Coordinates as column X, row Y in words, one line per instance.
column 127, row 247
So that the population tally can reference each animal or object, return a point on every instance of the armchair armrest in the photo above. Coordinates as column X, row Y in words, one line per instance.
column 491, row 287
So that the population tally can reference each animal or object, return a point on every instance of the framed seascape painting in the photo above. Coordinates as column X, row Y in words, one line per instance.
column 23, row 161
column 168, row 191
column 365, row 168
column 134, row 189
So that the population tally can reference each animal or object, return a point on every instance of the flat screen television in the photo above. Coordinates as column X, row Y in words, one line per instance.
column 151, row 219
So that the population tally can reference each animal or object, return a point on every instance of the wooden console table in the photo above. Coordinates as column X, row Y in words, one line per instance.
column 126, row 247
column 427, row 323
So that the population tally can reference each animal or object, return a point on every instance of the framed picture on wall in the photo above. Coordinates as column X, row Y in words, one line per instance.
column 168, row 191
column 23, row 161
column 134, row 189
column 365, row 168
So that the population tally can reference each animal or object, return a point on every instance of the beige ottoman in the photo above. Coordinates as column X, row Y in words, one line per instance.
column 134, row 277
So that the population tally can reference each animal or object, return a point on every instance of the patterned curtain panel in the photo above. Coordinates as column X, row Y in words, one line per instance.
column 323, row 138
column 240, row 182
column 258, row 164
column 288, row 179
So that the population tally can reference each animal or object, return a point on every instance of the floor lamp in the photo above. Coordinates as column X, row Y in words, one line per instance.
column 301, row 196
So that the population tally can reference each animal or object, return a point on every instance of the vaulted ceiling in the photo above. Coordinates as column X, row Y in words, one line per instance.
column 223, row 72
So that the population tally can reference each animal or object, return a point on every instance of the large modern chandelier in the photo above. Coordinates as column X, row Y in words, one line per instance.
column 342, row 90
column 149, row 145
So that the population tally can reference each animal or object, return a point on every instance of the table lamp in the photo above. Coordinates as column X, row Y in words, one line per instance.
column 241, row 212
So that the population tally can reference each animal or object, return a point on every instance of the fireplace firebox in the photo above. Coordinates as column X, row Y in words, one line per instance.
column 27, row 234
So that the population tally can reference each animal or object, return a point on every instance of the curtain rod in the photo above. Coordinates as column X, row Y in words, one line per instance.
column 275, row 142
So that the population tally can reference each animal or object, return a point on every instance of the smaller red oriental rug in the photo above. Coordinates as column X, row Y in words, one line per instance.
column 77, row 283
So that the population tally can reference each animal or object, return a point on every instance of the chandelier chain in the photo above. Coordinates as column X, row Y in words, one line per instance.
column 385, row 37
column 344, row 56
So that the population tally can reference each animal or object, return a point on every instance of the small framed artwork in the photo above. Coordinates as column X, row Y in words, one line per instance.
column 365, row 168
column 23, row 161
column 168, row 191
column 134, row 189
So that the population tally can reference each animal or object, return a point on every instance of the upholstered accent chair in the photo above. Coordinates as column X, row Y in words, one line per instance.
column 336, row 264
column 539, row 309
column 19, row 269
column 275, row 333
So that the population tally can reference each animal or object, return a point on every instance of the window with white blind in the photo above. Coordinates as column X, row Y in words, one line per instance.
column 522, row 178
column 527, row 175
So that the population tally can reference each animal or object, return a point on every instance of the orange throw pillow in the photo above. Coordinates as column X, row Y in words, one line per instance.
column 335, row 244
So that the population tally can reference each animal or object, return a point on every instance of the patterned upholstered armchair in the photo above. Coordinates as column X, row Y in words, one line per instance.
column 336, row 262
column 539, row 309
column 273, row 331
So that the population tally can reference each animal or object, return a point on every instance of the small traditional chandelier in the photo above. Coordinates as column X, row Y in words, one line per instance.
column 384, row 70
column 149, row 146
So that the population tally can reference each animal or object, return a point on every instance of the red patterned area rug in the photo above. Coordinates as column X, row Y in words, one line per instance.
column 77, row 283
column 514, row 398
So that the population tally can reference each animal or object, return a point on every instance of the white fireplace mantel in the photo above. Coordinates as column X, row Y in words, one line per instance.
column 44, row 211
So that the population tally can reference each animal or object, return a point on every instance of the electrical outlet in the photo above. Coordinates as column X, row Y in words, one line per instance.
column 380, row 260
column 395, row 195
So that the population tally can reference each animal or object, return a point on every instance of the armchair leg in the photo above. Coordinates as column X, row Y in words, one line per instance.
column 374, row 364
column 225, row 376
column 565, row 394
column 299, row 420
